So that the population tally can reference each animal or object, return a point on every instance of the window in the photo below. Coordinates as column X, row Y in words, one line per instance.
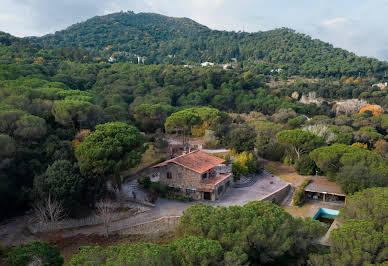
column 190, row 190
column 204, row 176
column 180, row 175
column 227, row 184
column 169, row 175
column 220, row 189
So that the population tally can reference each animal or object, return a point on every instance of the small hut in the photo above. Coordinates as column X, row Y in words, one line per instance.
column 321, row 189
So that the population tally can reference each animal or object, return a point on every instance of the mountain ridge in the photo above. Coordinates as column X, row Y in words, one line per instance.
column 161, row 39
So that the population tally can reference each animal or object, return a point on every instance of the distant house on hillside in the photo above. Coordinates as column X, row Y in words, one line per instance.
column 197, row 175
column 381, row 86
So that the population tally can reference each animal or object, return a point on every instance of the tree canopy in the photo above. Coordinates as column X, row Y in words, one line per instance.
column 111, row 148
column 35, row 253
column 299, row 142
column 258, row 232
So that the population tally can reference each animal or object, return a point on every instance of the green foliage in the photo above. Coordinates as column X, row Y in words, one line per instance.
column 305, row 165
column 77, row 114
column 150, row 117
column 358, row 177
column 241, row 138
column 174, row 196
column 369, row 204
column 245, row 163
column 296, row 122
column 8, row 146
column 147, row 184
column 112, row 148
column 299, row 142
column 189, row 41
column 261, row 232
column 193, row 250
column 134, row 254
column 35, row 252
column 64, row 183
column 332, row 158
column 182, row 121
column 298, row 198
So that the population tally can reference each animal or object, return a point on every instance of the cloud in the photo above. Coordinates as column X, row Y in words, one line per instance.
column 335, row 21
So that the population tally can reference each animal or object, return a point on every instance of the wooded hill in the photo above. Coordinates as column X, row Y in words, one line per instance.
column 163, row 39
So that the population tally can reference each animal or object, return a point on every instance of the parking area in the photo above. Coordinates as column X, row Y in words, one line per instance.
column 265, row 185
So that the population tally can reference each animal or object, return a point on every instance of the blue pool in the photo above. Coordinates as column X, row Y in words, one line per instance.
column 325, row 215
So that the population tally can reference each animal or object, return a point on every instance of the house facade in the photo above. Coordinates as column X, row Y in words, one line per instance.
column 197, row 175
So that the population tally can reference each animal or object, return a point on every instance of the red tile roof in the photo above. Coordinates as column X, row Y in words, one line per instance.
column 217, row 179
column 197, row 161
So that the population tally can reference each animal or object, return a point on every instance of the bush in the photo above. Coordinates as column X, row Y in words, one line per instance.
column 298, row 198
column 144, row 182
column 273, row 152
column 159, row 188
column 305, row 165
column 35, row 253
column 287, row 160
column 245, row 163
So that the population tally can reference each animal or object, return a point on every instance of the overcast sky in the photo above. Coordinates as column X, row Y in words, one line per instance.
column 360, row 26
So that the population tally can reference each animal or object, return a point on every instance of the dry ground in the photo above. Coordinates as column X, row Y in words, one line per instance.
column 287, row 173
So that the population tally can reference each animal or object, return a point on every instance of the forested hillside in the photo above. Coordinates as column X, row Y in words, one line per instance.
column 169, row 40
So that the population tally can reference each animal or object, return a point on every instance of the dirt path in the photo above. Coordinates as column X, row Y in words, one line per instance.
column 287, row 173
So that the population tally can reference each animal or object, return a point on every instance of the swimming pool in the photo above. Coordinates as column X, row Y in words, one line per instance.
column 325, row 215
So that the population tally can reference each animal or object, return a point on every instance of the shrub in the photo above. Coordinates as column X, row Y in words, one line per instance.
column 145, row 182
column 305, row 165
column 298, row 198
column 35, row 253
column 246, row 162
column 159, row 188
column 287, row 160
column 273, row 152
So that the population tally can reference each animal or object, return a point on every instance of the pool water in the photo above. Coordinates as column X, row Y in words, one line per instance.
column 326, row 216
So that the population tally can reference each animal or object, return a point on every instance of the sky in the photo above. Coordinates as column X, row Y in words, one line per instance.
column 360, row 26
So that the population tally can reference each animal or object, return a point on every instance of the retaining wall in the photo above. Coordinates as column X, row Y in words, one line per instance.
column 278, row 195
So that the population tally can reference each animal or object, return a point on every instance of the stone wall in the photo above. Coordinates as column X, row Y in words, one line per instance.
column 278, row 195
column 161, row 225
column 182, row 178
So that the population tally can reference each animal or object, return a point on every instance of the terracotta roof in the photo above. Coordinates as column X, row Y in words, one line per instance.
column 197, row 161
column 321, row 184
column 217, row 179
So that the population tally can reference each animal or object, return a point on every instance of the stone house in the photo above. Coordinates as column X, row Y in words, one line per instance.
column 197, row 175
